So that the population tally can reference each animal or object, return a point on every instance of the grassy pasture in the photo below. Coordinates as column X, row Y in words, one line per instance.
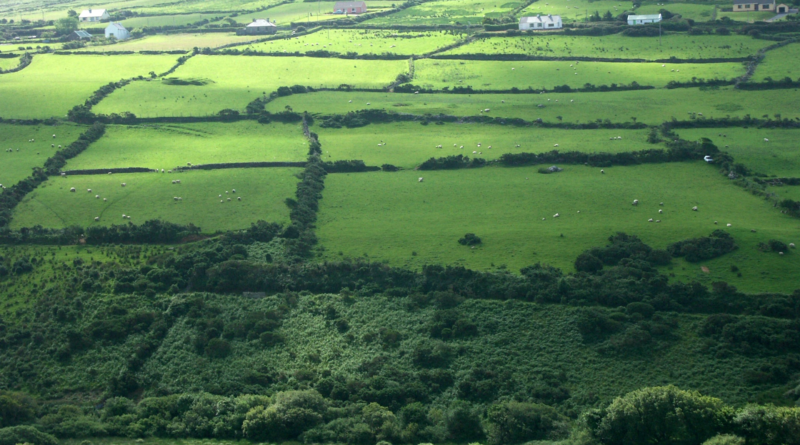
column 17, row 165
column 150, row 196
column 160, row 7
column 694, row 11
column 492, row 75
column 167, row 20
column 53, row 84
column 168, row 146
column 237, row 80
column 397, row 215
column 307, row 13
column 365, row 41
column 7, row 64
column 575, row 10
column 780, row 156
column 170, row 42
column 681, row 46
column 448, row 12
column 408, row 144
column 649, row 106
column 749, row 17
column 779, row 63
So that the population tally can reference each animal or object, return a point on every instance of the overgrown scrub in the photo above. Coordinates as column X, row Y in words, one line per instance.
column 704, row 248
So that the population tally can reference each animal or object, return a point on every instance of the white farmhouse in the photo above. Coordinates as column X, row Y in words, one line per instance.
column 94, row 15
column 540, row 22
column 117, row 30
column 642, row 19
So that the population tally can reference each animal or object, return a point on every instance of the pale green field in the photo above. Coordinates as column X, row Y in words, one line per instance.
column 749, row 17
column 492, row 75
column 170, row 146
column 448, row 12
column 7, row 64
column 780, row 156
column 694, row 11
column 681, row 46
column 240, row 79
column 17, row 165
column 169, row 42
column 53, row 84
column 649, row 106
column 307, row 13
column 779, row 63
column 150, row 196
column 575, row 10
column 167, row 20
column 360, row 41
column 397, row 216
column 408, row 144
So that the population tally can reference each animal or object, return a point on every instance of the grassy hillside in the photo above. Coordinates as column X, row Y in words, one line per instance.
column 24, row 155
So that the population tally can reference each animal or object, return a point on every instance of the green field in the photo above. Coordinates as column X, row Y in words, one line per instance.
column 169, row 146
column 488, row 75
column 149, row 196
column 25, row 155
column 699, row 12
column 680, row 46
column 166, row 20
column 7, row 64
column 307, row 13
column 170, row 42
column 361, row 42
column 397, row 216
column 650, row 106
column 575, row 10
column 780, row 156
column 779, row 64
column 749, row 17
column 52, row 84
column 408, row 144
column 237, row 80
column 448, row 12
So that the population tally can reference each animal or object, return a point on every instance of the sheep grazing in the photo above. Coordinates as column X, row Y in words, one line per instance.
column 128, row 217
column 715, row 223
column 239, row 198
column 173, row 181
column 517, row 145
column 502, row 101
column 104, row 199
column 661, row 203
column 455, row 145
column 479, row 145
column 221, row 201
column 490, row 146
column 555, row 145
column 780, row 253
column 229, row 199
column 52, row 145
column 766, row 140
column 233, row 190
column 162, row 170
column 658, row 220
column 59, row 146
column 636, row 202
column 89, row 190
column 556, row 215
column 602, row 171
column 729, row 224
column 791, row 245
column 189, row 164
column 650, row 220
column 461, row 146
column 96, row 196
column 543, row 219
column 174, row 198
column 420, row 179
column 110, row 173
column 474, row 152
column 169, row 171
column 694, row 209
column 54, row 136
column 226, row 192
column 123, row 216
column 349, row 101
column 487, row 110
column 97, row 218
column 123, row 184
column 220, row 196
column 660, row 211
column 72, row 189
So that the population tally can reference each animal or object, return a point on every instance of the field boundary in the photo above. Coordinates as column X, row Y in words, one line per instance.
column 24, row 61
column 106, row 171
column 220, row 166
column 759, row 57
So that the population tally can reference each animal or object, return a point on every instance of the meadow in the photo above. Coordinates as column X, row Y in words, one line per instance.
column 408, row 144
column 171, row 145
column 448, row 12
column 307, row 13
column 572, row 11
column 680, row 46
column 491, row 75
column 237, row 80
column 164, row 20
column 359, row 41
column 51, row 85
column 7, row 64
column 410, row 223
column 748, row 17
column 649, row 106
column 18, row 163
column 699, row 12
column 149, row 196
column 171, row 42
column 779, row 64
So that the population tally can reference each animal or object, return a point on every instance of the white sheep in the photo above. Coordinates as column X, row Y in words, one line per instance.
column 420, row 179
column 729, row 224
column 473, row 151
column 487, row 110
column 490, row 146
column 556, row 215
column 602, row 171
column 177, row 181
column 97, row 218
column 229, row 199
column 128, row 217
column 543, row 219
column 650, row 220
column 780, row 253
column 766, row 140
column 54, row 136
column 239, row 198
column 791, row 245
column 555, row 145
column 123, row 216
column 104, row 199
column 72, row 189
column 96, row 196
column 162, row 170
column 89, row 190
column 226, row 192
column 174, row 198
column 221, row 201
column 715, row 223
column 636, row 202
column 694, row 209
column 52, row 145
column 59, row 146
column 658, row 220
column 233, row 190
column 660, row 211
column 123, row 184
column 110, row 173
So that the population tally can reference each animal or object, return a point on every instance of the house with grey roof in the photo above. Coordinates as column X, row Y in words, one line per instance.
column 540, row 22
column 261, row 26
column 117, row 31
column 643, row 19
column 759, row 5
column 94, row 15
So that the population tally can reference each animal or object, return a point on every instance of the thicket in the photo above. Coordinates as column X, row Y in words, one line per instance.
column 704, row 248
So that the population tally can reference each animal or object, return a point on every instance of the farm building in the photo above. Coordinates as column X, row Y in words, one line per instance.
column 642, row 19
column 261, row 26
column 540, row 22
column 94, row 15
column 80, row 35
column 117, row 30
column 349, row 8
column 759, row 5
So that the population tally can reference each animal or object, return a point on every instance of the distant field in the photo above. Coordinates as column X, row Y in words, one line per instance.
column 52, row 84
column 7, row 64
column 694, row 11
column 161, row 7
column 150, row 196
column 408, row 144
column 409, row 223
column 576, row 10
column 448, row 12
column 749, row 17
column 307, row 12
column 238, row 80
column 169, row 146
column 779, row 63
column 681, row 46
column 649, row 106
column 361, row 42
column 780, row 156
column 17, row 165
column 169, row 42
column 167, row 20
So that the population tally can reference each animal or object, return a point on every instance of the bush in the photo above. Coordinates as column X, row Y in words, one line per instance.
column 218, row 348
column 515, row 422
column 586, row 262
column 25, row 434
column 704, row 248
column 768, row 425
column 470, row 239
column 463, row 423
column 291, row 414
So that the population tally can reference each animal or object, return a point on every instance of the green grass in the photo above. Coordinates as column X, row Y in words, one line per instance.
column 7, row 64
column 780, row 156
column 167, row 20
column 408, row 144
column 779, row 63
column 169, row 146
column 237, row 80
column 681, row 46
column 150, row 196
column 361, row 42
column 17, row 165
column 397, row 216
column 307, row 13
column 749, row 17
column 491, row 75
column 53, row 84
column 170, row 42
column 448, row 12
column 694, row 11
column 575, row 10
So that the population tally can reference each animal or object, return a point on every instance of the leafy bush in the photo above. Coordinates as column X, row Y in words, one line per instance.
column 25, row 434
column 290, row 414
column 470, row 239
column 515, row 422
column 704, row 248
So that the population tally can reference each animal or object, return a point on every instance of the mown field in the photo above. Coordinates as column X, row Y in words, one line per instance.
column 169, row 146
column 409, row 223
column 170, row 42
column 408, row 144
column 492, row 75
column 149, row 196
column 448, row 12
column 575, row 10
column 360, row 41
column 307, row 13
column 7, row 64
column 779, row 64
column 53, row 84
column 237, row 80
column 650, row 106
column 680, row 46
column 24, row 155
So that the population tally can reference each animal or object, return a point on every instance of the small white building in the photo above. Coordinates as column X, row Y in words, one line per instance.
column 94, row 15
column 117, row 30
column 540, row 22
column 642, row 19
column 261, row 26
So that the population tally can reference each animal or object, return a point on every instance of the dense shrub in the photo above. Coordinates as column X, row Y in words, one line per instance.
column 516, row 422
column 25, row 434
column 704, row 248
column 470, row 239
column 290, row 414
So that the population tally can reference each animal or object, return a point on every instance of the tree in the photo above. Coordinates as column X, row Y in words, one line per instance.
column 291, row 413
column 66, row 25
column 463, row 423
column 72, row 13
column 586, row 262
column 516, row 422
